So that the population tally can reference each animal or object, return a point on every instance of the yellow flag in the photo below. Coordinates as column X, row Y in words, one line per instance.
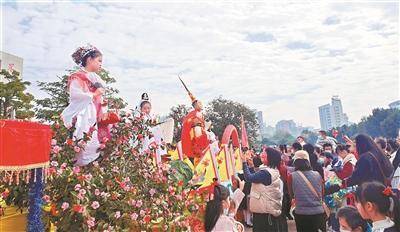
column 174, row 154
column 222, row 165
column 206, row 170
column 238, row 161
column 188, row 162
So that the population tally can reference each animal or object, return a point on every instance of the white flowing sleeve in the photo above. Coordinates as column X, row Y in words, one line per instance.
column 80, row 106
column 237, row 197
column 93, row 77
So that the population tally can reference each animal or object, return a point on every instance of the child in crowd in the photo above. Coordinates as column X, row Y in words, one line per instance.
column 377, row 203
column 351, row 221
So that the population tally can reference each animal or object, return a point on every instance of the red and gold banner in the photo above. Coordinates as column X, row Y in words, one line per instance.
column 24, row 145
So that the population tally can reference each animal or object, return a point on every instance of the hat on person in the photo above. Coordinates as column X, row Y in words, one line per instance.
column 301, row 155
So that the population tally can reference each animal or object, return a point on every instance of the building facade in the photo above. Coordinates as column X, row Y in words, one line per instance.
column 11, row 62
column 331, row 115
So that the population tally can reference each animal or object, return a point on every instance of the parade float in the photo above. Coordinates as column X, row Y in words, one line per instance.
column 24, row 159
column 127, row 188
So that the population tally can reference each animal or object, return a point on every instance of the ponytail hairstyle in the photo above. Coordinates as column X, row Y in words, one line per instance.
column 382, row 197
column 214, row 207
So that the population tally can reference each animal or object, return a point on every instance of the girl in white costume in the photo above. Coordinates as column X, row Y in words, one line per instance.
column 85, row 109
column 158, row 130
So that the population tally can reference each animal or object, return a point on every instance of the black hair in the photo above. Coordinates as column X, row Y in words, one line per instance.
column 322, row 132
column 302, row 165
column 82, row 60
column 257, row 161
column 381, row 142
column 144, row 102
column 318, row 150
column 310, row 150
column 326, row 145
column 283, row 148
column 393, row 144
column 274, row 157
column 365, row 144
column 352, row 217
column 374, row 192
column 297, row 146
column 214, row 207
column 342, row 147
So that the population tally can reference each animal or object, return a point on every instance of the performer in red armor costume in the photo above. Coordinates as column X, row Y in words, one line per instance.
column 194, row 137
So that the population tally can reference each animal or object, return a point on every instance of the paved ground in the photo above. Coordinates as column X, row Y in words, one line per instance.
column 12, row 221
column 15, row 222
column 291, row 224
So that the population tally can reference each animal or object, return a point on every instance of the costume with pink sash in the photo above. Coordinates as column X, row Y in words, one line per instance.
column 84, row 112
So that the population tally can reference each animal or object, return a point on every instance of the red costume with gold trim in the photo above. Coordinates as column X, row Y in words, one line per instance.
column 193, row 146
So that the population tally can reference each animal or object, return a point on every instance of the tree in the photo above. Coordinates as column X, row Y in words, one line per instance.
column 310, row 136
column 267, row 141
column 382, row 122
column 13, row 96
column 391, row 124
column 222, row 112
column 178, row 113
column 51, row 107
column 283, row 137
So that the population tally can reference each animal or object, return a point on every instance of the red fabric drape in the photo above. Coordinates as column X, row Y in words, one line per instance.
column 24, row 145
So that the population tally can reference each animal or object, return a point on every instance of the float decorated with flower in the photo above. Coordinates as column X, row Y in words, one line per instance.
column 128, row 186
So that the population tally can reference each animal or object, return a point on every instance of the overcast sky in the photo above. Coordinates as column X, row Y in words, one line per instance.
column 284, row 59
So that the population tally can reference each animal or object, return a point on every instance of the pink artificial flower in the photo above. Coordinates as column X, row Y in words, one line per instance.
column 132, row 202
column 96, row 192
column 82, row 191
column 95, row 205
column 77, row 149
column 139, row 203
column 134, row 216
column 88, row 177
column 63, row 165
column 53, row 142
column 56, row 149
column 152, row 192
column 54, row 163
column 65, row 206
column 102, row 146
column 142, row 212
column 46, row 198
column 117, row 214
column 95, row 163
column 76, row 169
column 105, row 140
column 90, row 222
column 77, row 187
column 79, row 196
